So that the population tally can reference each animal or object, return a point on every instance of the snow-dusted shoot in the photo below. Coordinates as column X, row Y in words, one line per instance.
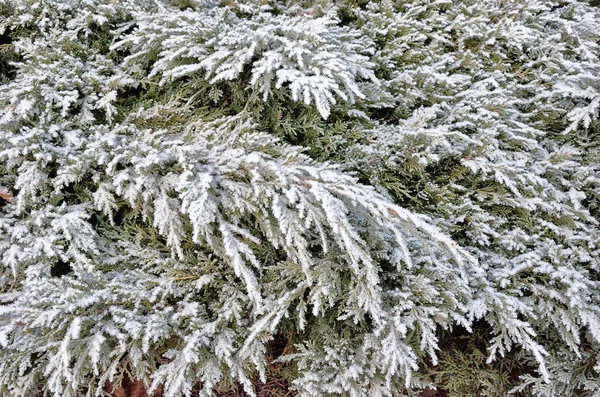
column 182, row 182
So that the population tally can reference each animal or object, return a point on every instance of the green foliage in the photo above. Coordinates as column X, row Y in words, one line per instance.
column 185, row 182
column 463, row 370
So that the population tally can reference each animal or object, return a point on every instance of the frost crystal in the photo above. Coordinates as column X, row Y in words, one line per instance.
column 183, row 181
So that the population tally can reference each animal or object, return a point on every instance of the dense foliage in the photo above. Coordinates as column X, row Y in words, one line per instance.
column 183, row 181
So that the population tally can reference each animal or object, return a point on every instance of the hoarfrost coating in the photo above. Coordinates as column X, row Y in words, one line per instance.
column 183, row 181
